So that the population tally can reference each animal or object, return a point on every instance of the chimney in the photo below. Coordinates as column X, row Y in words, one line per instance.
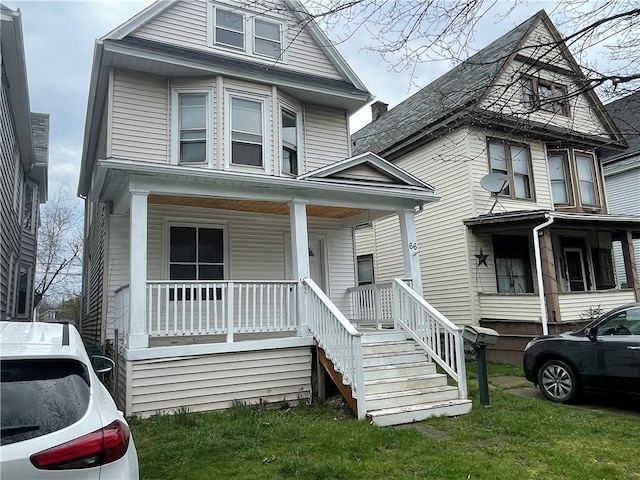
column 377, row 109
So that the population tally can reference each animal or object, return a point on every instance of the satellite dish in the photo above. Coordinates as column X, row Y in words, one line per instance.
column 494, row 182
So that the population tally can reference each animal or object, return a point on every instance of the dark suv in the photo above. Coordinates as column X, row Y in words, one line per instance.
column 605, row 355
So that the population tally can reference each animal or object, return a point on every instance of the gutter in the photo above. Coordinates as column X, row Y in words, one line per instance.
column 536, row 242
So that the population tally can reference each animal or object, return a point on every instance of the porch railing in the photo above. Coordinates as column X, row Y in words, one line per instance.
column 372, row 304
column 339, row 339
column 440, row 338
column 220, row 308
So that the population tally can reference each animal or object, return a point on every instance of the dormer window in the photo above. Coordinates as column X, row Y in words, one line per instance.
column 246, row 32
column 543, row 95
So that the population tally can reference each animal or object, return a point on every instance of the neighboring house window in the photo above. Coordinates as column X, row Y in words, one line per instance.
column 267, row 38
column 573, row 177
column 193, row 128
column 512, row 263
column 512, row 160
column 365, row 270
column 29, row 214
column 229, row 28
column 289, row 132
column 558, row 175
column 247, row 32
column 196, row 253
column 547, row 96
column 247, row 127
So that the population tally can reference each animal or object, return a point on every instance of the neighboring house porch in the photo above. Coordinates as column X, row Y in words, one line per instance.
column 567, row 256
column 224, row 286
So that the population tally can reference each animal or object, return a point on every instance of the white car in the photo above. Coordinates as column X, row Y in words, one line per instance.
column 58, row 420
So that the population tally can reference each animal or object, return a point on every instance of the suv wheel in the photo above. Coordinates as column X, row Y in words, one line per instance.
column 558, row 382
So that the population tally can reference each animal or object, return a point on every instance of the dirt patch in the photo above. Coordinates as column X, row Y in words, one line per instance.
column 426, row 430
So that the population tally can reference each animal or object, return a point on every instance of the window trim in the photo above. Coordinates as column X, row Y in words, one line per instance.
column 249, row 32
column 510, row 173
column 175, row 124
column 369, row 258
column 169, row 222
column 549, row 106
column 266, row 133
column 299, row 157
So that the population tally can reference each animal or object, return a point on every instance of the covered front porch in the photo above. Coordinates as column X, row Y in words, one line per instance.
column 275, row 272
column 547, row 272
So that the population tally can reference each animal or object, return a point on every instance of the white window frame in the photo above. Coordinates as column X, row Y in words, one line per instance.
column 169, row 222
column 249, row 32
column 175, row 124
column 299, row 145
column 267, row 157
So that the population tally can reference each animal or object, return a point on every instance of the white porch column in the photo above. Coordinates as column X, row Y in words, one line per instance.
column 138, row 336
column 300, row 256
column 410, row 248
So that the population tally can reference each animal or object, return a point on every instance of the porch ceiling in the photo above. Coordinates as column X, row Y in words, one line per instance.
column 275, row 208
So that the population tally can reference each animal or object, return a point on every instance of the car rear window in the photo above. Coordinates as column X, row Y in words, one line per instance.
column 41, row 396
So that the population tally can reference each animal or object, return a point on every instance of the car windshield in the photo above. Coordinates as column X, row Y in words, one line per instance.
column 41, row 396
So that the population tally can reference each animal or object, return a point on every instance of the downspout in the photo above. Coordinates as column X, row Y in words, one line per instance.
column 536, row 243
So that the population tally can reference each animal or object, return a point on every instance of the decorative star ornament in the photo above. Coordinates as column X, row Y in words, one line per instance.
column 482, row 258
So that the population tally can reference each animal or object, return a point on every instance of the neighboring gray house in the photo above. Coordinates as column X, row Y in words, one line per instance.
column 536, row 254
column 622, row 170
column 24, row 143
column 221, row 198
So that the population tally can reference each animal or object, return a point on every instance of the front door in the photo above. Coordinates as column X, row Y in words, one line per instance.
column 316, row 262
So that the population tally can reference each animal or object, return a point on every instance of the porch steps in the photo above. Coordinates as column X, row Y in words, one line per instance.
column 402, row 385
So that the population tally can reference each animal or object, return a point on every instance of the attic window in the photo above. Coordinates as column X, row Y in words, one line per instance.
column 229, row 30
column 547, row 96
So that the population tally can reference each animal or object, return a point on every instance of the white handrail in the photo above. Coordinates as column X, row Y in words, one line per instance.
column 340, row 340
column 436, row 334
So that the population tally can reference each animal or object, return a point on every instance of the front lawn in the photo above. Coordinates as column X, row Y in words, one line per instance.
column 517, row 438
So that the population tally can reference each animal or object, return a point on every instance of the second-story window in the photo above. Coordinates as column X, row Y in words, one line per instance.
column 30, row 208
column 246, row 132
column 229, row 28
column 573, row 177
column 547, row 96
column 193, row 128
column 512, row 160
column 267, row 38
column 289, row 142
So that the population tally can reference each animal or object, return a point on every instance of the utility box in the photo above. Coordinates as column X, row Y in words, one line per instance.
column 480, row 335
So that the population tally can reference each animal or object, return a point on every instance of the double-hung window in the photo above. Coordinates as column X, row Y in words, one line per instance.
column 247, row 132
column 193, row 127
column 512, row 160
column 513, row 264
column 547, row 96
column 196, row 253
column 573, row 178
column 289, row 133
column 229, row 28
column 246, row 32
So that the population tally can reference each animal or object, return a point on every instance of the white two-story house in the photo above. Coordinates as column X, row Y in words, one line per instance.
column 24, row 152
column 521, row 240
column 221, row 201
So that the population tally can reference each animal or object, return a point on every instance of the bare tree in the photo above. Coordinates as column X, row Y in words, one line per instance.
column 58, row 265
column 408, row 33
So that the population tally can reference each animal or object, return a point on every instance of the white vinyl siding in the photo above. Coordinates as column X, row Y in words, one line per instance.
column 139, row 117
column 185, row 25
column 213, row 382
column 522, row 307
column 324, row 127
column 572, row 305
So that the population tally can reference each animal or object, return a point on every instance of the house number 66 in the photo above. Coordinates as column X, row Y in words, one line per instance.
column 413, row 247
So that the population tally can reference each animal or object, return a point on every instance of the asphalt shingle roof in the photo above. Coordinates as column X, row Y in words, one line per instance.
column 457, row 89
column 626, row 113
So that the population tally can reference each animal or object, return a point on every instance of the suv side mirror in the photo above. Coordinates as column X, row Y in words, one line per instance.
column 591, row 333
column 102, row 364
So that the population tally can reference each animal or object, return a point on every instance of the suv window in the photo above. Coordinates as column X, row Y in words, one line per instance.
column 41, row 396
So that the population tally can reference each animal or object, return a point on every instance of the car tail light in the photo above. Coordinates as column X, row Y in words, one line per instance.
column 92, row 450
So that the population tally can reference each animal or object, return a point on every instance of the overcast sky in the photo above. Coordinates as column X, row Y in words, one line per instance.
column 59, row 40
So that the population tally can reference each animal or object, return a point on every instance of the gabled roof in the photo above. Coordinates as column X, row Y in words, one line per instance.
column 381, row 171
column 626, row 113
column 453, row 98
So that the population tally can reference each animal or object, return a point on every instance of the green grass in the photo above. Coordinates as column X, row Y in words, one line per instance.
column 517, row 438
